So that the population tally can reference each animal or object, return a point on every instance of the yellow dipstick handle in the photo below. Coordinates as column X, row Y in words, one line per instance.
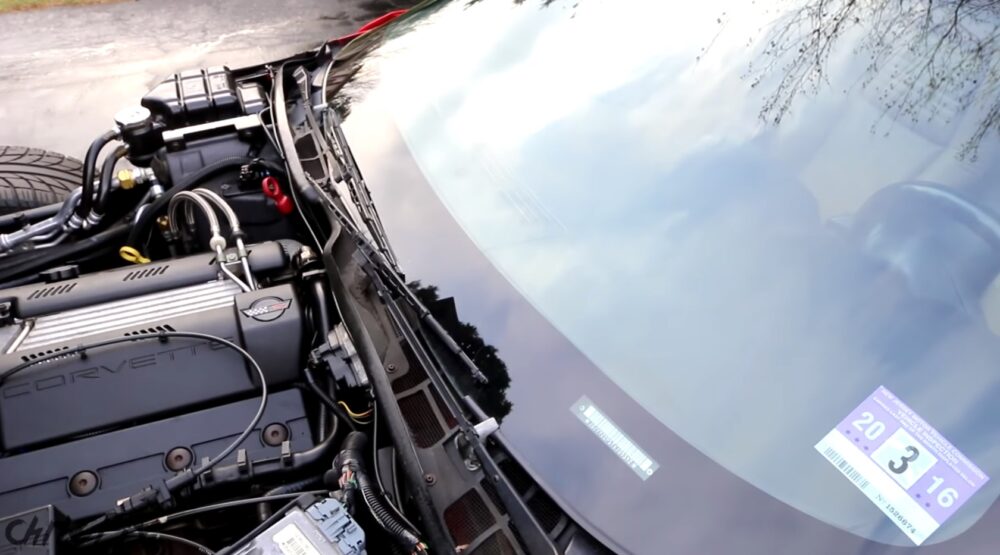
column 132, row 255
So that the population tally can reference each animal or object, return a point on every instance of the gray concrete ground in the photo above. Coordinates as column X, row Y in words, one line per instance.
column 64, row 72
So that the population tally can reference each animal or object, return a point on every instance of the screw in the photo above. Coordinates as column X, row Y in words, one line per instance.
column 83, row 483
column 390, row 368
column 274, row 434
column 429, row 479
column 178, row 458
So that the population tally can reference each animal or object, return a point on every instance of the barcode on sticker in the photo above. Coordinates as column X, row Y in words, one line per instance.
column 613, row 436
column 845, row 467
column 291, row 541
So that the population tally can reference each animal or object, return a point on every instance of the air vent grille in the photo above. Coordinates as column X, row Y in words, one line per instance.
column 35, row 356
column 468, row 517
column 420, row 417
column 414, row 376
column 493, row 494
column 52, row 291
column 496, row 544
column 545, row 510
column 147, row 331
column 146, row 272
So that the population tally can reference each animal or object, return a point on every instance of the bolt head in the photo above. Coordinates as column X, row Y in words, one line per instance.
column 83, row 483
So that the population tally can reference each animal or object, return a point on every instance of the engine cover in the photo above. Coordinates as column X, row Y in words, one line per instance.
column 129, row 383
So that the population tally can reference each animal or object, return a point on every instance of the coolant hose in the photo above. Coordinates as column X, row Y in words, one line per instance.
column 89, row 168
column 351, row 456
column 107, row 174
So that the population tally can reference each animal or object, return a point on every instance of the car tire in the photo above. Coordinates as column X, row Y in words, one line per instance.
column 32, row 177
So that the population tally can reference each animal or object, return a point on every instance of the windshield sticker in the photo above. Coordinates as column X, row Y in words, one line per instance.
column 908, row 469
column 612, row 436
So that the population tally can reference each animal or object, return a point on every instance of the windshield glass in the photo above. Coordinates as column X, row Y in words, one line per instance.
column 747, row 229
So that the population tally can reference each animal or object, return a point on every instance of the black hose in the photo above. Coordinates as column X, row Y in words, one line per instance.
column 264, row 509
column 36, row 260
column 30, row 215
column 352, row 456
column 326, row 399
column 321, row 315
column 89, row 168
column 107, row 173
column 142, row 226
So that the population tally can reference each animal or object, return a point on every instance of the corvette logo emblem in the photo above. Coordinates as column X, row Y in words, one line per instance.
column 267, row 309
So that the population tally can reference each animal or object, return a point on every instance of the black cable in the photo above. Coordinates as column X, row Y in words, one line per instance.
column 186, row 478
column 220, row 506
column 99, row 537
column 264, row 509
column 106, row 537
column 30, row 215
column 89, row 168
column 351, row 456
column 107, row 173
column 378, row 479
column 35, row 260
column 326, row 400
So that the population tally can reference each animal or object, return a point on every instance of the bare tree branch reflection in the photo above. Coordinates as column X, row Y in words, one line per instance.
column 926, row 59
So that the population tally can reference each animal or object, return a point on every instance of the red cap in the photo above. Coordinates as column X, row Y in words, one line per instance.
column 272, row 190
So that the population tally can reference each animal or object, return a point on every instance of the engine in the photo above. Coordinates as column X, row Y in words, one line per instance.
column 148, row 393
column 178, row 335
column 123, row 370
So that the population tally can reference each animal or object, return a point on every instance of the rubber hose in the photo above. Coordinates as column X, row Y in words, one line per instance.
column 352, row 456
column 36, row 260
column 107, row 174
column 89, row 168
column 264, row 509
column 142, row 226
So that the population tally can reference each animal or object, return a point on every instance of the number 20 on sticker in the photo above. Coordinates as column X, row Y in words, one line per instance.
column 904, row 458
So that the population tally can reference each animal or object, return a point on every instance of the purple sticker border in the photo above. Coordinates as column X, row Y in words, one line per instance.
column 891, row 413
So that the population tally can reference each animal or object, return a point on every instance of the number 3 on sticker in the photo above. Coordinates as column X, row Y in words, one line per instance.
column 904, row 458
column 869, row 426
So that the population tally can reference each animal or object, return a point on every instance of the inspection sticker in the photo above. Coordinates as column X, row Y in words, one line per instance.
column 612, row 436
column 908, row 469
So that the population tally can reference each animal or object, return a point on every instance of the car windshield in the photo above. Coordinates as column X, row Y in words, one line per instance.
column 754, row 220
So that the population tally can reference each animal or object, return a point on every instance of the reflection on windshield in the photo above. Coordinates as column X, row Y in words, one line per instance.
column 925, row 62
column 491, row 396
column 747, row 284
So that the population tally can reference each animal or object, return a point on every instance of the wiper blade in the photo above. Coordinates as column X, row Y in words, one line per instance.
column 360, row 194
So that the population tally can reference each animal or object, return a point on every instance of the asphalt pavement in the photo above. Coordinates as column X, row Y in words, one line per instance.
column 64, row 72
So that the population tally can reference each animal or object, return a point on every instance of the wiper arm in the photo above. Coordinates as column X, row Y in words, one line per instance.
column 360, row 194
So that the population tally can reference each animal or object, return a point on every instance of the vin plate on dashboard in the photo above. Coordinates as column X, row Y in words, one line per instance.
column 612, row 436
column 904, row 466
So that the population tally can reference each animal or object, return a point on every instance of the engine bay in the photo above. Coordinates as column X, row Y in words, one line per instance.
column 185, row 354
